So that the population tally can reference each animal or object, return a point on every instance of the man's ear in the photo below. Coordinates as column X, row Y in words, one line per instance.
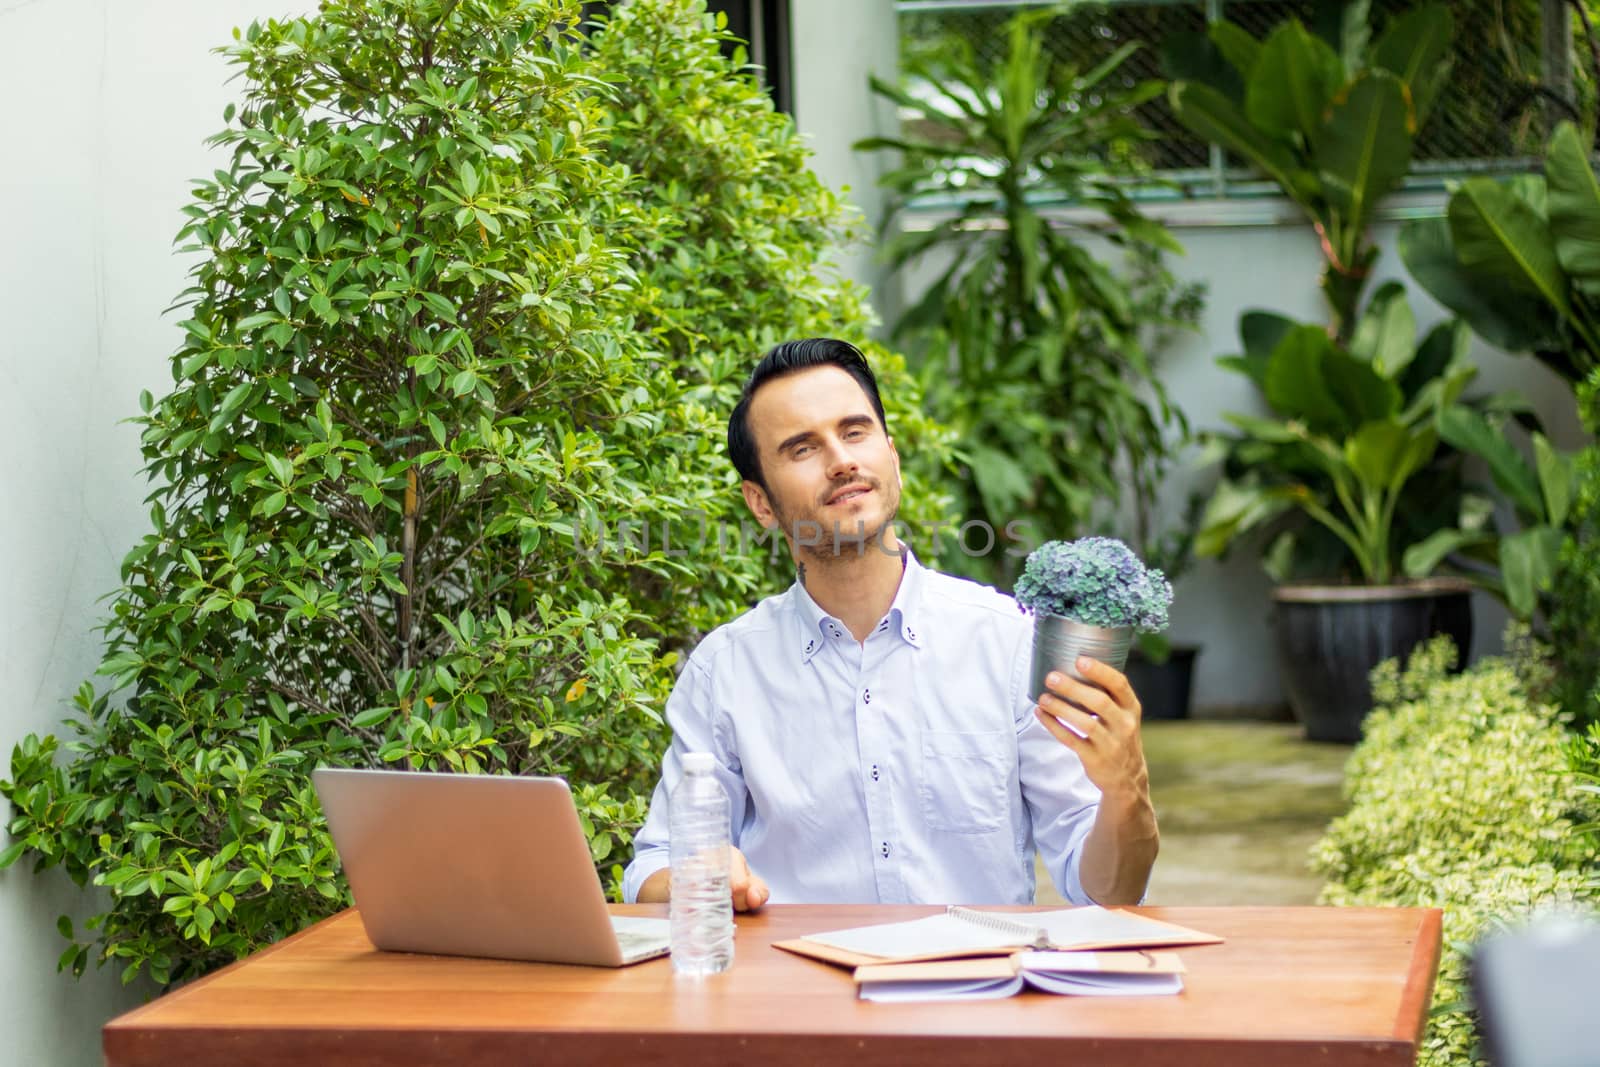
column 895, row 452
column 755, row 499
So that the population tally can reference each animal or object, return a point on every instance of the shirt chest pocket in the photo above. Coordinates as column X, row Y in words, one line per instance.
column 965, row 781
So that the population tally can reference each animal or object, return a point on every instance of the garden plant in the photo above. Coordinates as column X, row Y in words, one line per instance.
column 1036, row 353
column 1094, row 580
column 1088, row 597
column 1331, row 122
column 437, row 326
column 1463, row 797
column 1334, row 471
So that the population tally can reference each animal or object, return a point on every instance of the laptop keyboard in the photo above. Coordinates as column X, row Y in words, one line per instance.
column 636, row 934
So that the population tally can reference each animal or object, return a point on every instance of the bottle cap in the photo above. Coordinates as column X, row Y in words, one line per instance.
column 698, row 762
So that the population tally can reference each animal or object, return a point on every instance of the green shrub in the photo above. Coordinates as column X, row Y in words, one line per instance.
column 425, row 340
column 1575, row 592
column 740, row 257
column 1461, row 798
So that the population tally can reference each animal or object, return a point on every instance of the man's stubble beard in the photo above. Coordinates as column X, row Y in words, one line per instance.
column 848, row 545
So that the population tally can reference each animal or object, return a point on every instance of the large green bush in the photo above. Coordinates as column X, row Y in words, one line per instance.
column 1575, row 591
column 430, row 333
column 740, row 257
column 1461, row 798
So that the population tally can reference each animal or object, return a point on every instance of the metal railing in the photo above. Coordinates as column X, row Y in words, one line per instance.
column 1504, row 94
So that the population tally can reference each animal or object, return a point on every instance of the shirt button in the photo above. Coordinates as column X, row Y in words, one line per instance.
column 884, row 847
column 874, row 772
column 866, row 696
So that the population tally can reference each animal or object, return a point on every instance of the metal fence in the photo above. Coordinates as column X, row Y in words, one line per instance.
column 1505, row 90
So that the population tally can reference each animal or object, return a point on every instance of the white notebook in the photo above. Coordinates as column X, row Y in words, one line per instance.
column 962, row 931
column 1093, row 974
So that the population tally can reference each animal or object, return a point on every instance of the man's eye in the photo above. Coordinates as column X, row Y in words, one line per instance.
column 800, row 450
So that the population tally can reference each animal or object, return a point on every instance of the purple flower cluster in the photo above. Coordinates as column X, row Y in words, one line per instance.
column 1095, row 580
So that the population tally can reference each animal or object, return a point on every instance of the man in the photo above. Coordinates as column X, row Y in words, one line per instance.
column 872, row 725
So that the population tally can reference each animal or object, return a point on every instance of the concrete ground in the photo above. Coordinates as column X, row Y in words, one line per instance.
column 1240, row 805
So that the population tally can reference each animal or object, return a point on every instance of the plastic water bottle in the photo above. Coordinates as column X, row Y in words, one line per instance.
column 700, row 907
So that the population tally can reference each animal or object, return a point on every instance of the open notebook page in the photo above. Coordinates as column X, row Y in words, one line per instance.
column 1094, row 925
column 942, row 934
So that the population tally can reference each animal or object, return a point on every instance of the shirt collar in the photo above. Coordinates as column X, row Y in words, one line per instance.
column 815, row 627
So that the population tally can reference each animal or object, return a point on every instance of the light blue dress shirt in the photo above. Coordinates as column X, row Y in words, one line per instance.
column 908, row 768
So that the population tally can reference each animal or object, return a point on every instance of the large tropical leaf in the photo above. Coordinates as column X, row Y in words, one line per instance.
column 1440, row 347
column 1503, row 236
column 1528, row 561
column 1195, row 57
column 1294, row 384
column 1424, row 557
column 1574, row 206
column 1472, row 433
column 1375, row 453
column 1262, row 330
column 1386, row 335
column 1416, row 48
column 1555, row 479
column 1294, row 77
column 1364, row 149
column 1235, row 508
column 1213, row 117
column 1360, row 392
column 1508, row 318
column 1238, row 47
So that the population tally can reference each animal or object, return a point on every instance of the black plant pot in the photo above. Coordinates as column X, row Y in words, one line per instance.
column 1331, row 636
column 1163, row 688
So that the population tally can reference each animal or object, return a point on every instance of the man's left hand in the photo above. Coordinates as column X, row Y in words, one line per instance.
column 1100, row 722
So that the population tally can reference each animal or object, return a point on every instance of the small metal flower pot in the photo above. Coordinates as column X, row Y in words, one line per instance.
column 1058, row 642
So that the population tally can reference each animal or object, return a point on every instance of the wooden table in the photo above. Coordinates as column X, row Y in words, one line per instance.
column 1329, row 986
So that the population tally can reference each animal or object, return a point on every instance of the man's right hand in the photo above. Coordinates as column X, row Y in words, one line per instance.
column 749, row 892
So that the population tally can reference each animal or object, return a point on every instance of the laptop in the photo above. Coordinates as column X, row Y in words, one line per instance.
column 476, row 865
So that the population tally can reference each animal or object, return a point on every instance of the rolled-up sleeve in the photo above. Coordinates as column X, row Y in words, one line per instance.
column 691, row 712
column 1062, row 802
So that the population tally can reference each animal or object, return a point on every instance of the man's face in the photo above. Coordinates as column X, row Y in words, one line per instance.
column 828, row 464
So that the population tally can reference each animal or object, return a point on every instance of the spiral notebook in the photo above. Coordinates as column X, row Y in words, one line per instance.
column 961, row 931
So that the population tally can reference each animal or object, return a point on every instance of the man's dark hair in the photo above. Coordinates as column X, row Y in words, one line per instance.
column 785, row 359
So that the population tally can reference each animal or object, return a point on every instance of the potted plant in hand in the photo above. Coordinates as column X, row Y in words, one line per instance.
column 1087, row 598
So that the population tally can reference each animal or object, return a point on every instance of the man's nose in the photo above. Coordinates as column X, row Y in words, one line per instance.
column 840, row 459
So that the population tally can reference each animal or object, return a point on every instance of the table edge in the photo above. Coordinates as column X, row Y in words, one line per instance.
column 1412, row 1016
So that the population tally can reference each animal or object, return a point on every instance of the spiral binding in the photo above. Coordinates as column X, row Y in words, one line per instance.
column 1036, row 937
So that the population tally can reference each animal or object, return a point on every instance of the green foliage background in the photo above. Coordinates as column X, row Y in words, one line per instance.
column 1462, row 797
column 1039, row 355
column 1575, row 600
column 465, row 282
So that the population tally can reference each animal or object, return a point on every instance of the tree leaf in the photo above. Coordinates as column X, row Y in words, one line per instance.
column 1528, row 562
column 1363, row 150
column 1574, row 207
column 1472, row 433
column 1294, row 78
column 1498, row 234
column 1500, row 314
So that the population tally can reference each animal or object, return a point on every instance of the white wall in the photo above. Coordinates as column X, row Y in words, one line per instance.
column 107, row 105
column 836, row 45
